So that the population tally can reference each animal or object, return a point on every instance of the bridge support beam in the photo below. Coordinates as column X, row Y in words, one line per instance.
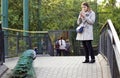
column 3, row 41
column 4, row 12
column 25, row 16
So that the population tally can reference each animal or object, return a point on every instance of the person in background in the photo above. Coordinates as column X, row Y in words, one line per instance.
column 67, row 47
column 62, row 48
column 86, row 18
column 57, row 48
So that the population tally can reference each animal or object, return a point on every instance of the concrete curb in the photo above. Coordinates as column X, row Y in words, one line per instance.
column 104, row 66
column 3, row 69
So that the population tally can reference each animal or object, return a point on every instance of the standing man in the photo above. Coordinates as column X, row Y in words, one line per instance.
column 86, row 19
column 62, row 48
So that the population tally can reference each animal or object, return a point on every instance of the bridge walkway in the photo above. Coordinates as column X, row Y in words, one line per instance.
column 65, row 67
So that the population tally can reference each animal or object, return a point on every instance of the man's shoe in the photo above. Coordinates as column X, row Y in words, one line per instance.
column 92, row 61
column 86, row 61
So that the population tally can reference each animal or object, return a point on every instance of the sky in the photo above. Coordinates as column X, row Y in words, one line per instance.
column 103, row 0
column 118, row 2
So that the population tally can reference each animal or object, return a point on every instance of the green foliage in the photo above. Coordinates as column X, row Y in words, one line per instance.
column 45, row 14
column 15, row 11
column 109, row 11
column 116, row 19
column 22, row 45
column 12, row 46
column 58, row 14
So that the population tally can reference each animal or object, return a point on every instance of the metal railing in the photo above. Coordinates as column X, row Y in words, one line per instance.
column 17, row 43
column 44, row 41
column 109, row 46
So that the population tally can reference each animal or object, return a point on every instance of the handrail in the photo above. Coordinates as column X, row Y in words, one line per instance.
column 18, row 30
column 110, row 46
column 114, row 34
column 116, row 42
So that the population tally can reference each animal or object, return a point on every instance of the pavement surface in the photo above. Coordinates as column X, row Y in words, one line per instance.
column 65, row 67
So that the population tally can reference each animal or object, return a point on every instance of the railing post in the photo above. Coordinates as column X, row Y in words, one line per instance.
column 4, row 12
column 25, row 16
column 2, row 55
column 3, row 68
column 17, row 44
column 26, row 20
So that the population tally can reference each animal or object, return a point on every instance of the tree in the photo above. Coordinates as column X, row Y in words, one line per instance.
column 109, row 11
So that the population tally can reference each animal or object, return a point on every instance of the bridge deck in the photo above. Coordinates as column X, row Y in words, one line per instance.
column 66, row 67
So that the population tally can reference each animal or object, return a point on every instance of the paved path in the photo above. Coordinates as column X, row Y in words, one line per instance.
column 67, row 67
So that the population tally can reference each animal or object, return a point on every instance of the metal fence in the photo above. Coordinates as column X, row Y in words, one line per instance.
column 17, row 43
column 76, row 49
column 68, row 35
column 43, row 42
column 110, row 47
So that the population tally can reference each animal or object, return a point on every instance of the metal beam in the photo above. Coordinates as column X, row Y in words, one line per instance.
column 25, row 16
column 4, row 12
